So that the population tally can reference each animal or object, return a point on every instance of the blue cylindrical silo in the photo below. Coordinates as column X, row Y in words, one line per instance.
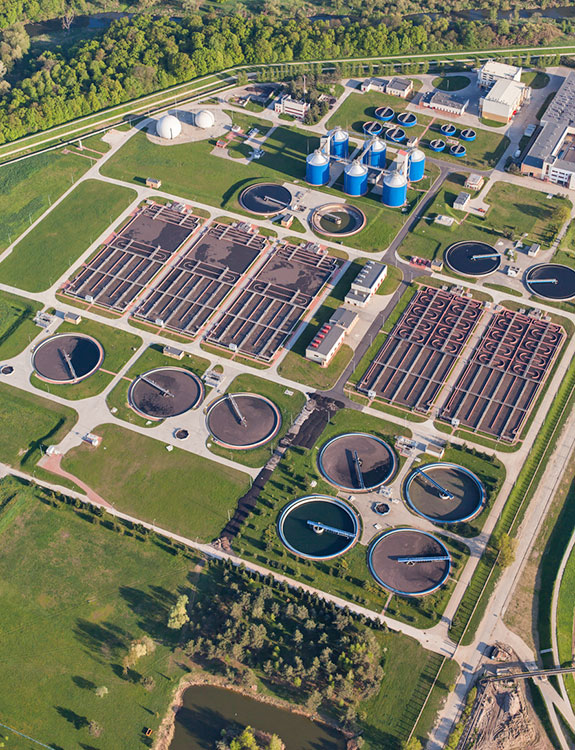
column 375, row 153
column 317, row 168
column 394, row 189
column 416, row 165
column 339, row 143
column 355, row 179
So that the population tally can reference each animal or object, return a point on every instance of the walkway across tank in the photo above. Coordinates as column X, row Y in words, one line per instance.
column 385, row 114
column 397, row 135
column 372, row 127
column 472, row 258
column 551, row 281
column 437, row 145
column 357, row 462
column 444, row 493
column 406, row 119
column 243, row 421
column 165, row 392
column 265, row 198
column 337, row 219
column 318, row 527
column 409, row 562
column 67, row 358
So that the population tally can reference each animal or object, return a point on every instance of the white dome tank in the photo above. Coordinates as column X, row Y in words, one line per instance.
column 168, row 127
column 204, row 119
column 318, row 158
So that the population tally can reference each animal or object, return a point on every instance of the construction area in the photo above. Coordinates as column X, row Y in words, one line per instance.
column 498, row 386
column 129, row 261
column 417, row 356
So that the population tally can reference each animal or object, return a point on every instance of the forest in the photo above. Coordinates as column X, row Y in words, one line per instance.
column 142, row 54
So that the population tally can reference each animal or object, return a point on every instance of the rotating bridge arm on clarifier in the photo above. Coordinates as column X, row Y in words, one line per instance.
column 480, row 256
column 68, row 360
column 157, row 386
column 543, row 281
column 236, row 409
column 412, row 559
column 357, row 465
column 445, row 494
column 331, row 529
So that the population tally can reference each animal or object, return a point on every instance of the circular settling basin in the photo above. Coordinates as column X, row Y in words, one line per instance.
column 448, row 129
column 67, row 358
column 437, row 145
column 407, row 119
column 472, row 258
column 318, row 527
column 445, row 493
column 458, row 150
column 372, row 127
column 409, row 562
column 165, row 392
column 357, row 462
column 468, row 134
column 385, row 114
column 338, row 220
column 265, row 198
column 551, row 281
column 243, row 420
column 397, row 135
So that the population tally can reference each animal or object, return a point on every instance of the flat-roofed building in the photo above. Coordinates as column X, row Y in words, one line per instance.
column 552, row 155
column 493, row 70
column 462, row 201
column 401, row 87
column 474, row 181
column 448, row 103
column 504, row 100
column 285, row 105
column 366, row 283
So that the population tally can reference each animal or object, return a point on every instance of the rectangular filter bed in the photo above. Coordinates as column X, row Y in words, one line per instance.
column 185, row 298
column 498, row 387
column 263, row 316
column 129, row 261
column 421, row 349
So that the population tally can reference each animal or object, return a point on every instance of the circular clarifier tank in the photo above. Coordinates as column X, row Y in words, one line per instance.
column 448, row 129
column 406, row 119
column 265, row 198
column 338, row 219
column 396, row 135
column 318, row 527
column 458, row 150
column 437, row 145
column 372, row 127
column 409, row 562
column 551, row 281
column 67, row 358
column 445, row 493
column 472, row 258
column 243, row 421
column 165, row 392
column 357, row 462
column 385, row 114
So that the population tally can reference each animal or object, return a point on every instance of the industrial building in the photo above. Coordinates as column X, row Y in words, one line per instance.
column 366, row 283
column 504, row 99
column 450, row 104
column 401, row 87
column 492, row 71
column 462, row 201
column 285, row 105
column 552, row 155
column 328, row 340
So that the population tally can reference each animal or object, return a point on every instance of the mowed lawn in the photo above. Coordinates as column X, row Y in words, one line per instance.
column 17, row 327
column 28, row 423
column 177, row 490
column 57, row 241
column 29, row 187
column 565, row 623
column 74, row 595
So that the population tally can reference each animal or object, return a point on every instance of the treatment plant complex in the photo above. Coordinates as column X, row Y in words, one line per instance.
column 337, row 354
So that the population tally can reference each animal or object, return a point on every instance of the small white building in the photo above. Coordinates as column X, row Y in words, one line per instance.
column 462, row 201
column 493, row 70
column 328, row 340
column 533, row 250
column 504, row 100
column 447, row 103
column 366, row 283
column 401, row 87
column 173, row 352
column 285, row 105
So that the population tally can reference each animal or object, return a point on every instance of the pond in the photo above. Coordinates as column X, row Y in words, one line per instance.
column 206, row 710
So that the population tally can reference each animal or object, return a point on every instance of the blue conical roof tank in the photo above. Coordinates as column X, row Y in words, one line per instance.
column 339, row 143
column 317, row 168
column 355, row 179
column 377, row 151
column 394, row 190
column 416, row 165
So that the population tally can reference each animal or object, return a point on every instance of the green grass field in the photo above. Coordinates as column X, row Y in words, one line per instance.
column 537, row 79
column 118, row 345
column 70, row 607
column 565, row 623
column 451, row 83
column 30, row 186
column 28, row 424
column 58, row 241
column 152, row 357
column 180, row 491
column 289, row 403
column 17, row 328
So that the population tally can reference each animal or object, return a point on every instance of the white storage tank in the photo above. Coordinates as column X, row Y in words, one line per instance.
column 168, row 127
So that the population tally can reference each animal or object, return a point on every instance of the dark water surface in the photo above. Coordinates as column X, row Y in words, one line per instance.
column 206, row 710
